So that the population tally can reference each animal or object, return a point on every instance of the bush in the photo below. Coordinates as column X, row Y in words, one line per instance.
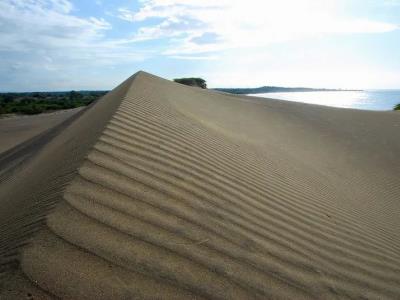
column 397, row 107
column 198, row 82
column 32, row 109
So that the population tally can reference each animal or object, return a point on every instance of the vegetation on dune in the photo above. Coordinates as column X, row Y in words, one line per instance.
column 36, row 103
column 397, row 107
column 198, row 82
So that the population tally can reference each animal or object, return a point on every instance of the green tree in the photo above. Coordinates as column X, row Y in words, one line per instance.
column 38, row 95
column 192, row 81
column 74, row 95
column 397, row 107
column 8, row 98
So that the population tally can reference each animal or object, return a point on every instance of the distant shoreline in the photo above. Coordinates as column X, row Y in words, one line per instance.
column 277, row 89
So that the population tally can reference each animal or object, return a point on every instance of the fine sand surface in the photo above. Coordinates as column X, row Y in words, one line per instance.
column 163, row 191
column 17, row 129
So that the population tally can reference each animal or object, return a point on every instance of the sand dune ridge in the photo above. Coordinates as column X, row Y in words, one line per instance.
column 186, row 193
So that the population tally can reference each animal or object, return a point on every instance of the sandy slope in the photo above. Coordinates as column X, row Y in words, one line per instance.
column 15, row 130
column 167, row 191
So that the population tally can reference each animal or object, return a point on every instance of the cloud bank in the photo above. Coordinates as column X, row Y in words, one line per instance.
column 209, row 26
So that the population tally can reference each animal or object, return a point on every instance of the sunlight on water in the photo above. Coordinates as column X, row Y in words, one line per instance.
column 370, row 100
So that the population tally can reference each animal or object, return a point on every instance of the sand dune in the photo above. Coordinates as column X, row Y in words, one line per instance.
column 18, row 129
column 164, row 191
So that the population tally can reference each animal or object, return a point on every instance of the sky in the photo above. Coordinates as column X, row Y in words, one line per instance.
column 53, row 45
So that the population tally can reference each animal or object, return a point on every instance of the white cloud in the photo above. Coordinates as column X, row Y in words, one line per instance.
column 191, row 57
column 45, row 33
column 35, row 21
column 251, row 23
column 126, row 14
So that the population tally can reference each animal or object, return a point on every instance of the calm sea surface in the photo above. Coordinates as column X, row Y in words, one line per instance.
column 368, row 99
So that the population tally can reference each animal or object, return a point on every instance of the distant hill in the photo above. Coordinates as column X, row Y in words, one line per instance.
column 273, row 89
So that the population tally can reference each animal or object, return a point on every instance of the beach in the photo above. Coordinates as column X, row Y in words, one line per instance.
column 163, row 191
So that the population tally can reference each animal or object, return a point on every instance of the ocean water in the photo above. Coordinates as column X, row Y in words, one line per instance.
column 367, row 99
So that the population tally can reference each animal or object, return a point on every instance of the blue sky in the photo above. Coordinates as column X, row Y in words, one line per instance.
column 48, row 45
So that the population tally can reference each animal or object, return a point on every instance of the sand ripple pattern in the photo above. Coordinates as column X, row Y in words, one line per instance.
column 191, row 194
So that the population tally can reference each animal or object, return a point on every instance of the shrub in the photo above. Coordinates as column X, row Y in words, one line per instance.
column 199, row 82
column 31, row 109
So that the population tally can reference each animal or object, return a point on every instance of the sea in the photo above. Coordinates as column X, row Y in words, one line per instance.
column 366, row 99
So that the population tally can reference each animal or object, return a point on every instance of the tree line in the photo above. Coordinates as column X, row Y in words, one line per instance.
column 38, row 102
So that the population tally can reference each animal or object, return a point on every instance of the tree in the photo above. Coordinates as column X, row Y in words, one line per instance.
column 397, row 107
column 192, row 81
column 74, row 95
column 38, row 95
column 8, row 98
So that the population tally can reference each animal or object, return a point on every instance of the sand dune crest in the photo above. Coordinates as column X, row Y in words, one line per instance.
column 175, row 192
